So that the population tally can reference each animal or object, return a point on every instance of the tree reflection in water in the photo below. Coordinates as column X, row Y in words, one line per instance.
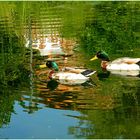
column 121, row 120
column 7, row 99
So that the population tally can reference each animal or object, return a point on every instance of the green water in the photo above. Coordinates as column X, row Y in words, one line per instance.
column 108, row 106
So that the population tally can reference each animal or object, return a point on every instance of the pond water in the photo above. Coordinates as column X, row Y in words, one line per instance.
column 107, row 106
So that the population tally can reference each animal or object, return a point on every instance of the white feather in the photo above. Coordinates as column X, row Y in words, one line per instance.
column 124, row 69
column 125, row 60
column 70, row 78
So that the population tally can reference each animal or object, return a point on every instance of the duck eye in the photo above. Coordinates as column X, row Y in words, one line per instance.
column 99, row 53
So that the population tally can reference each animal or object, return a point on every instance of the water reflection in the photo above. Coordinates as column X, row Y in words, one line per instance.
column 6, row 109
column 108, row 112
column 29, row 103
column 107, row 108
column 52, row 84
column 47, row 44
column 65, row 95
column 61, row 96
column 103, row 75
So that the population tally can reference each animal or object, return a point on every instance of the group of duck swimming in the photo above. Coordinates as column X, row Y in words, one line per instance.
column 123, row 66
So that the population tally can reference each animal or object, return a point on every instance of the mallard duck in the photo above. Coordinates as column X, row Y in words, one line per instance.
column 50, row 64
column 70, row 76
column 123, row 66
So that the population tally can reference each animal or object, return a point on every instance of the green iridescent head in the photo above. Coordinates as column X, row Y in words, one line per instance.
column 52, row 64
column 101, row 55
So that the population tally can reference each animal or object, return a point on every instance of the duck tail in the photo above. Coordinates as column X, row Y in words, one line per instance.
column 88, row 72
column 138, row 63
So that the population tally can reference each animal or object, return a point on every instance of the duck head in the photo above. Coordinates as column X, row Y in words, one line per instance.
column 50, row 64
column 104, row 58
column 101, row 55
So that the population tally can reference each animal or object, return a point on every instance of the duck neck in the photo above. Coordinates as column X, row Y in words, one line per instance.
column 104, row 64
column 50, row 74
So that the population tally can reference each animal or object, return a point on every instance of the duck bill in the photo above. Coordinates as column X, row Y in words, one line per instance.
column 94, row 58
column 42, row 66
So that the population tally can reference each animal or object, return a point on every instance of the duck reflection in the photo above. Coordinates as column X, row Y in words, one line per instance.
column 53, row 84
column 59, row 96
column 103, row 75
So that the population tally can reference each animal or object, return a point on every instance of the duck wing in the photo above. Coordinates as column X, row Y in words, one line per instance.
column 88, row 72
column 83, row 71
column 70, row 78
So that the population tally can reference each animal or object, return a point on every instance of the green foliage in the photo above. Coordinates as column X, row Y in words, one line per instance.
column 12, row 56
column 110, row 26
column 113, row 27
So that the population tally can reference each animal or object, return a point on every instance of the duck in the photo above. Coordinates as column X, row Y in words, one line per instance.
column 126, row 66
column 68, row 75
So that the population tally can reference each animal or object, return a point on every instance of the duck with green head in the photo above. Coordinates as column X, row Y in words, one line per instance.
column 122, row 66
column 51, row 65
column 71, row 76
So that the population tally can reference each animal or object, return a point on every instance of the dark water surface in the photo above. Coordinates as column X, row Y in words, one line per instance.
column 108, row 106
